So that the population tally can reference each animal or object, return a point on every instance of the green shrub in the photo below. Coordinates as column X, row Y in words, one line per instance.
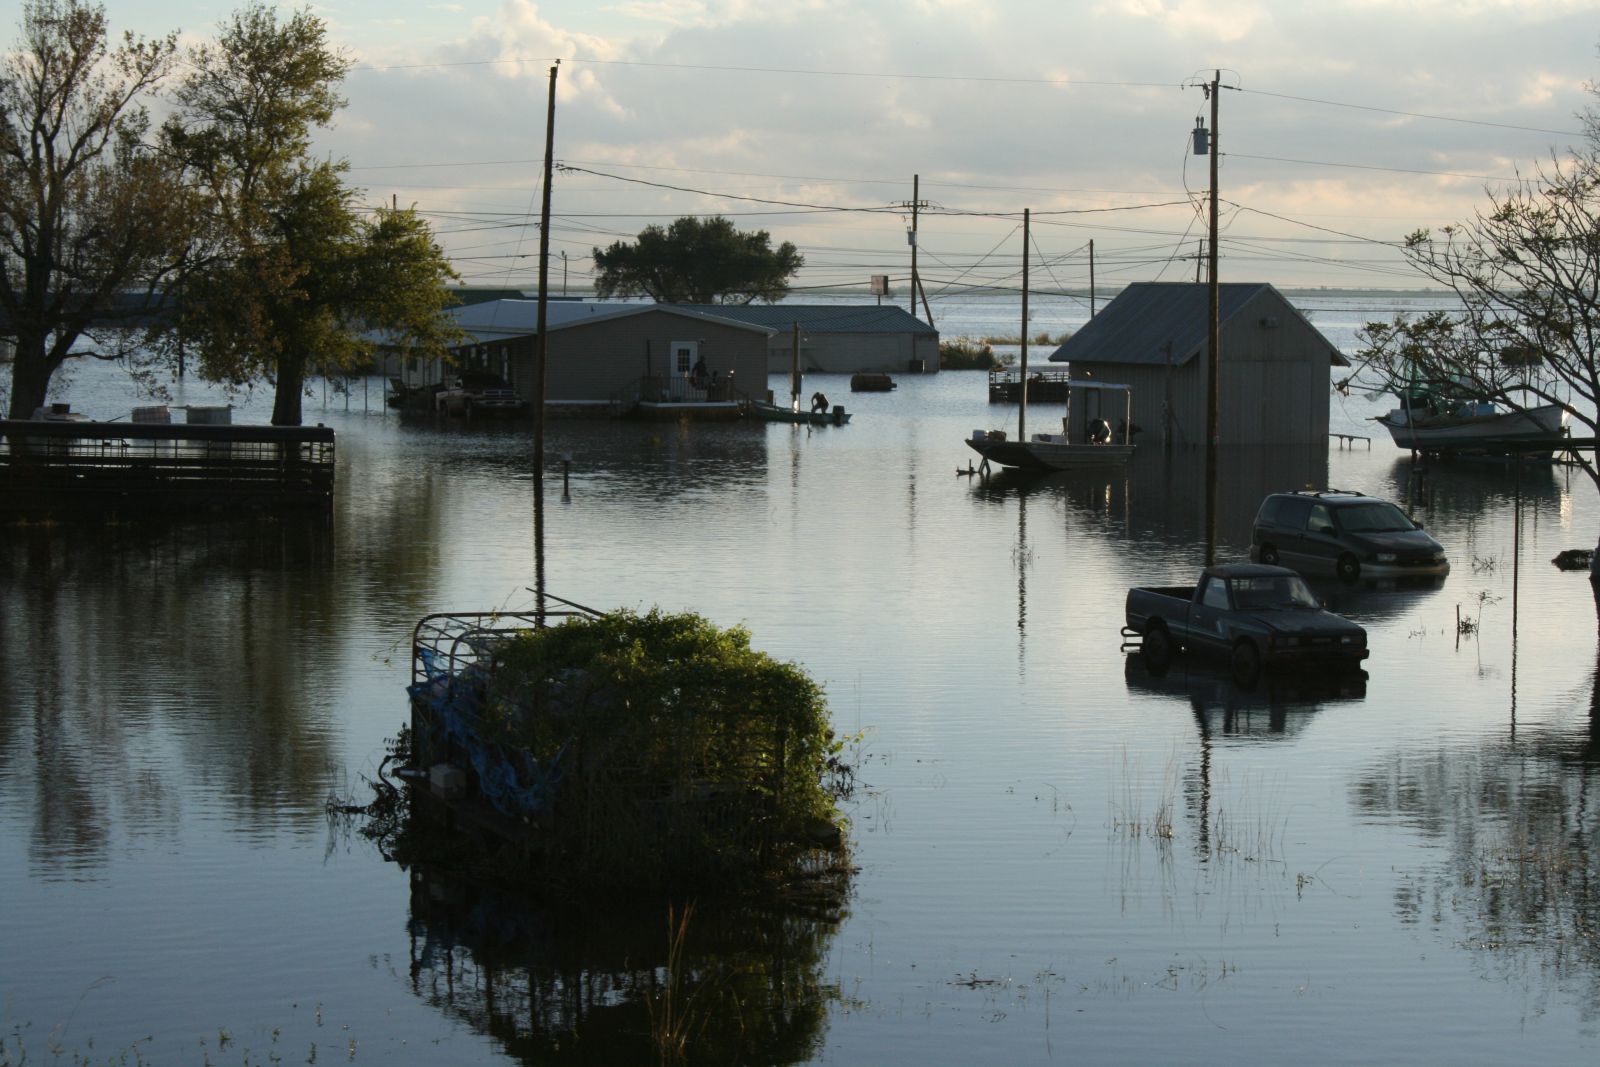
column 964, row 354
column 691, row 761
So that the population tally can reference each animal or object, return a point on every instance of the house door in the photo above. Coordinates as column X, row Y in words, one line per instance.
column 682, row 356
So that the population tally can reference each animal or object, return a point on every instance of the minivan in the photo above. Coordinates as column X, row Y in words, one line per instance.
column 1350, row 534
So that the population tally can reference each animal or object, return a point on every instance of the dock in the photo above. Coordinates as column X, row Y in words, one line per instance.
column 57, row 469
column 1044, row 386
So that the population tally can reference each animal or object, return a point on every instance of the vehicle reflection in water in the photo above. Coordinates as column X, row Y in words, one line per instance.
column 1372, row 600
column 1272, row 706
column 567, row 986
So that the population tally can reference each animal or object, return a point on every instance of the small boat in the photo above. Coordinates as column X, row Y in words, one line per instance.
column 836, row 416
column 1439, row 420
column 1088, row 438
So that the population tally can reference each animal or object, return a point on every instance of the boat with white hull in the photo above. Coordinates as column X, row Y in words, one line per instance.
column 1475, row 426
column 1095, row 433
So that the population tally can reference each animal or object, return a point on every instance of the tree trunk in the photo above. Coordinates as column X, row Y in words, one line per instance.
column 291, row 387
column 1594, row 572
column 30, row 375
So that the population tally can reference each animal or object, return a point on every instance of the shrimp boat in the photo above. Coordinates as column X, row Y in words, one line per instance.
column 1435, row 419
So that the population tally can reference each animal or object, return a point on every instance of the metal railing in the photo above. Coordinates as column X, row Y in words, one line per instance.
column 50, row 464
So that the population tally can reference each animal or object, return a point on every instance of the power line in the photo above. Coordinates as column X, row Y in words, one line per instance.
column 1410, row 114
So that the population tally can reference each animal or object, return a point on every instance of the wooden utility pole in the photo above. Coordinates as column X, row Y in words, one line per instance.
column 1213, row 338
column 915, row 205
column 1022, row 406
column 540, row 350
column 1091, row 277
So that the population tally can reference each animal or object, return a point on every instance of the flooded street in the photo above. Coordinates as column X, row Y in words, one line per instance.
column 1063, row 857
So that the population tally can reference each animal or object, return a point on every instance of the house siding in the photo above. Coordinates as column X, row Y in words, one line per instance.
column 591, row 362
column 1273, row 388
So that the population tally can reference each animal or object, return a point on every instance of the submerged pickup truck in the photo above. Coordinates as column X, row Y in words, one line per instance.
column 1257, row 615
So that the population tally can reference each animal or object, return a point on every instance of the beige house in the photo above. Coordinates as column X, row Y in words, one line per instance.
column 608, row 356
column 1273, row 385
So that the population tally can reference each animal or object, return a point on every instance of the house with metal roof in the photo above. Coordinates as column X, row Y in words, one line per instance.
column 608, row 355
column 839, row 338
column 1273, row 383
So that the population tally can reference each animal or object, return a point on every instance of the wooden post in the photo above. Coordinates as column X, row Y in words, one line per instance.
column 542, row 349
column 1213, row 341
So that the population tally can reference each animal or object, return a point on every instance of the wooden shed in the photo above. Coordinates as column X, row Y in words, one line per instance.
column 1273, row 384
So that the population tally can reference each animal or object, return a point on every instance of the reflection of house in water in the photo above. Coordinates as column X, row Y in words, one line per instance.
column 1161, row 495
column 572, row 984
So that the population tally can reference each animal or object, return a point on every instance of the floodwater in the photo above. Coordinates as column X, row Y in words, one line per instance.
column 1062, row 857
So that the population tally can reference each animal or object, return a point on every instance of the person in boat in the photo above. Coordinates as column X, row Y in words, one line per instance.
column 819, row 402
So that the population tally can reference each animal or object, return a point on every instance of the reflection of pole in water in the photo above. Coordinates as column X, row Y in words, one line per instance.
column 1516, row 574
column 1022, row 562
column 1203, row 844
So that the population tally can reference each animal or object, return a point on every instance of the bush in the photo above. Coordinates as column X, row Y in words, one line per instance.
column 964, row 354
column 690, row 760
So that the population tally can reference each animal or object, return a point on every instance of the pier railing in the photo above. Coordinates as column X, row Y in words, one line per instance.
column 53, row 466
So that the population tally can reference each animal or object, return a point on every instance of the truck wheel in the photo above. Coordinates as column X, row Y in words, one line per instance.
column 1246, row 662
column 1268, row 555
column 1157, row 644
column 1348, row 567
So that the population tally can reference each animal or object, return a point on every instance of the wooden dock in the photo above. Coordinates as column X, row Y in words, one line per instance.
column 50, row 469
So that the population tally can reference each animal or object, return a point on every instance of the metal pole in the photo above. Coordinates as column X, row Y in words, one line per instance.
column 916, row 185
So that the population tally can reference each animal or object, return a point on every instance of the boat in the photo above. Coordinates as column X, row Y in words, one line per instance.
column 1095, row 430
column 835, row 416
column 1095, row 433
column 1434, row 419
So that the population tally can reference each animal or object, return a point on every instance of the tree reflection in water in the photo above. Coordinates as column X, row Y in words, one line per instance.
column 1520, row 887
column 564, row 984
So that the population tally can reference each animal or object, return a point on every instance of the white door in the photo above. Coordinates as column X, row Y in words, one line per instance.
column 680, row 362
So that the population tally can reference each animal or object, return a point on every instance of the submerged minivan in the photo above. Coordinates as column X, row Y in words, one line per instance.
column 1350, row 534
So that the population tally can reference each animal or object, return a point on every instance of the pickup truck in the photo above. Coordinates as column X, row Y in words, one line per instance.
column 1257, row 615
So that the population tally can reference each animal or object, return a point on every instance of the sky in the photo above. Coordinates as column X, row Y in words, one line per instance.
column 1343, row 126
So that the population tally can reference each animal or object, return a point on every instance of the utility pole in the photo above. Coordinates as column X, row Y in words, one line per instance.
column 541, row 350
column 915, row 204
column 1213, row 338
column 563, row 272
column 1091, row 277
column 1022, row 405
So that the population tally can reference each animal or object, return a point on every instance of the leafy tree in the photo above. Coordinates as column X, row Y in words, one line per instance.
column 289, row 274
column 88, row 218
column 1527, row 271
column 696, row 261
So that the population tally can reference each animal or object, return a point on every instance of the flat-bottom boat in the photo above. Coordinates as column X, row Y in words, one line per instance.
column 835, row 416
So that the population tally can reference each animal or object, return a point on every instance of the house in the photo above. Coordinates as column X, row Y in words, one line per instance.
column 1273, row 384
column 608, row 355
column 840, row 338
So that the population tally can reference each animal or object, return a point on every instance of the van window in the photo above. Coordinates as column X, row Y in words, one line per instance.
column 1286, row 511
column 1321, row 519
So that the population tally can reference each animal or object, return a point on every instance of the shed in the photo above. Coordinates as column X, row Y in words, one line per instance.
column 610, row 354
column 1273, row 384
column 840, row 338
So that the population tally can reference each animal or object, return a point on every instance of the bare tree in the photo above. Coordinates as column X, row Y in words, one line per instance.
column 1527, row 271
